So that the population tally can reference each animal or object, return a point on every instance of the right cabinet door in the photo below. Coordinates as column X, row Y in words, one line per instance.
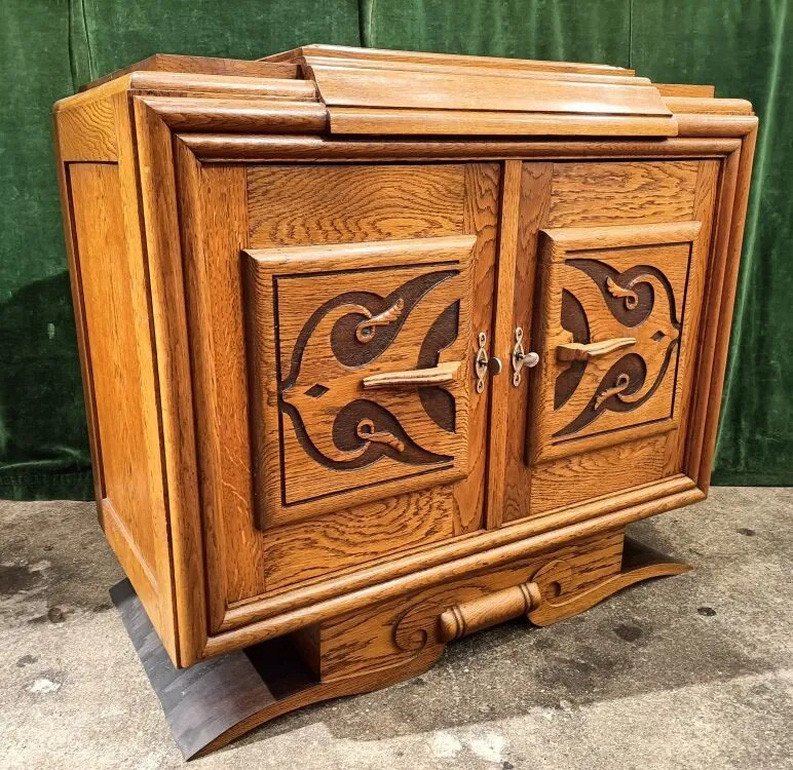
column 611, row 278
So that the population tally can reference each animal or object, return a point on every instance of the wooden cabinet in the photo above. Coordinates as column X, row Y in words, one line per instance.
column 381, row 348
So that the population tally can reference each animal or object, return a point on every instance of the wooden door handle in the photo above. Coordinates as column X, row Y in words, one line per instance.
column 443, row 374
column 579, row 351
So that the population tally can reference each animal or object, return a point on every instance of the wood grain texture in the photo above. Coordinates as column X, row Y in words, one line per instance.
column 716, row 125
column 705, row 105
column 393, row 632
column 152, row 175
column 352, row 85
column 305, row 606
column 554, row 602
column 485, row 611
column 603, row 470
column 400, row 58
column 448, row 122
column 339, row 543
column 227, row 86
column 544, row 487
column 88, row 132
column 503, row 335
column 220, row 161
column 203, row 65
column 223, row 148
column 534, row 206
column 471, row 66
column 292, row 205
column 602, row 271
column 276, row 116
column 126, row 451
column 581, row 351
column 686, row 89
column 608, row 193
column 411, row 379
column 547, row 597
column 272, row 563
column 321, row 442
column 692, row 356
column 480, row 218
column 730, row 229
column 67, row 214
column 213, row 226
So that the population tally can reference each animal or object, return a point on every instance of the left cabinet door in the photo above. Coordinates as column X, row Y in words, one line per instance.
column 363, row 369
column 303, row 282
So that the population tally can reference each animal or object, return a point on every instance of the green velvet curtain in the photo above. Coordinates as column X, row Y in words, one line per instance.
column 48, row 48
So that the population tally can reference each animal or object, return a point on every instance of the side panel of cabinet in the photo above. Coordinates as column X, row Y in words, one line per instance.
column 269, row 250
column 612, row 268
column 109, row 291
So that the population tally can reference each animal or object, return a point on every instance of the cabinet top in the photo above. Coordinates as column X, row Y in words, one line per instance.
column 364, row 91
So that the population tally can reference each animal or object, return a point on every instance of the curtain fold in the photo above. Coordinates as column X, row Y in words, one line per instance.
column 43, row 438
column 746, row 49
column 596, row 31
column 50, row 47
column 124, row 32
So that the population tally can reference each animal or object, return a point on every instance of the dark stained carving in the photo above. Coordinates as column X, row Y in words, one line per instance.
column 347, row 333
column 635, row 297
column 362, row 335
column 347, row 435
column 317, row 391
column 574, row 320
column 364, row 331
column 619, row 390
column 438, row 403
column 629, row 295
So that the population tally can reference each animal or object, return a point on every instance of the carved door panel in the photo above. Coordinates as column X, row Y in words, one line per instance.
column 612, row 269
column 362, row 371
column 613, row 305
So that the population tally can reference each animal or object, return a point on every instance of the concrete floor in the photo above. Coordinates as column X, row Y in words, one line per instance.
column 689, row 672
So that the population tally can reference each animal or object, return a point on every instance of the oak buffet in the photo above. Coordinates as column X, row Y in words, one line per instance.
column 382, row 348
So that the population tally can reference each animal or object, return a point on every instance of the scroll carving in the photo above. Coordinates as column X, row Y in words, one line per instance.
column 638, row 309
column 337, row 347
column 365, row 330
column 631, row 297
column 360, row 372
column 367, row 433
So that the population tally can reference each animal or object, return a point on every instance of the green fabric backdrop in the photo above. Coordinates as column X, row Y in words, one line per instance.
column 50, row 47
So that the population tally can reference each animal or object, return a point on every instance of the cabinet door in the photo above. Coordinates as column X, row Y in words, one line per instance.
column 612, row 265
column 304, row 281
column 373, row 373
column 612, row 302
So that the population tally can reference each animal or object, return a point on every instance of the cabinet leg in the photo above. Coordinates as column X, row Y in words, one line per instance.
column 639, row 563
column 218, row 700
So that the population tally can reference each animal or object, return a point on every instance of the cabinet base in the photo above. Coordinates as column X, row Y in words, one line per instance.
column 218, row 700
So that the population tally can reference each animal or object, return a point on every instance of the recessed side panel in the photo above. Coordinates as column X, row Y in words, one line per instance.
column 119, row 365
column 361, row 361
